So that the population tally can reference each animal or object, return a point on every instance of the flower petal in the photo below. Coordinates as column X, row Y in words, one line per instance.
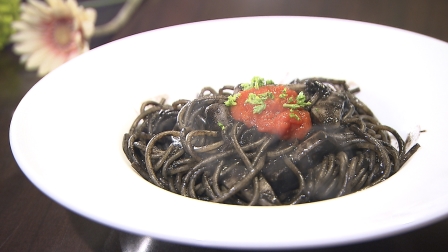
column 73, row 7
column 36, row 58
column 59, row 8
column 24, row 58
column 88, row 25
column 90, row 14
column 55, row 4
column 30, row 19
column 49, row 64
column 20, row 25
column 56, row 62
column 44, row 8
column 31, row 10
column 44, row 68
column 28, row 46
column 77, row 38
column 85, row 48
column 25, row 35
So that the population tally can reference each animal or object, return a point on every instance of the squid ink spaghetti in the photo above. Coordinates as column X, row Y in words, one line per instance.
column 261, row 143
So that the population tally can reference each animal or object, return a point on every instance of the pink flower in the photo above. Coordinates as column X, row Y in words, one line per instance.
column 50, row 34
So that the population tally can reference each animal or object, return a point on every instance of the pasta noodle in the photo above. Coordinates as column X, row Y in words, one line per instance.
column 197, row 149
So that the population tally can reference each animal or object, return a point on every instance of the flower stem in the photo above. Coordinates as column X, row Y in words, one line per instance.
column 100, row 3
column 119, row 20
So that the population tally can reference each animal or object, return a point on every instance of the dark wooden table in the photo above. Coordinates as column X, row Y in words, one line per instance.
column 30, row 221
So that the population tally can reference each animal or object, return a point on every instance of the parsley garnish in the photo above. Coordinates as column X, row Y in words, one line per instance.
column 269, row 82
column 256, row 83
column 300, row 102
column 231, row 100
column 283, row 94
column 223, row 127
column 293, row 115
column 267, row 95
column 259, row 101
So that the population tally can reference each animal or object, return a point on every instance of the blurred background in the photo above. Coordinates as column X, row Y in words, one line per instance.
column 30, row 221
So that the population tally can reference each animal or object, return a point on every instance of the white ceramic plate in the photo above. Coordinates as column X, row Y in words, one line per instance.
column 66, row 132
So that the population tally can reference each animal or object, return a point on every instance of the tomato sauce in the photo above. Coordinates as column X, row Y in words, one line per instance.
column 274, row 118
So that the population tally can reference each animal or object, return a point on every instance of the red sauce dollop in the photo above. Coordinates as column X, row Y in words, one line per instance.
column 275, row 118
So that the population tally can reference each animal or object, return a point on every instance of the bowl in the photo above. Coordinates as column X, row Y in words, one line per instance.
column 66, row 132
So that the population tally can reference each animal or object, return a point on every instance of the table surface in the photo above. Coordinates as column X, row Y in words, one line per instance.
column 30, row 221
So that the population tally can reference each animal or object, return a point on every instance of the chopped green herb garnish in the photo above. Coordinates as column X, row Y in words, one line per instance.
column 293, row 115
column 267, row 95
column 256, row 83
column 246, row 86
column 269, row 82
column 260, row 98
column 259, row 101
column 254, row 99
column 300, row 102
column 223, row 127
column 259, row 108
column 283, row 94
column 231, row 100
column 291, row 106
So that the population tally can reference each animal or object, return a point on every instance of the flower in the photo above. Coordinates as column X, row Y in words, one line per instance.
column 9, row 11
column 50, row 34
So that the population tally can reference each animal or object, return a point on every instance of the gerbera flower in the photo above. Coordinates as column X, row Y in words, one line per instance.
column 50, row 34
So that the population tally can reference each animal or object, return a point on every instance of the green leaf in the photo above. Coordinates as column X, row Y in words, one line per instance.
column 300, row 102
column 223, row 127
column 283, row 94
column 231, row 100
column 246, row 86
column 259, row 108
column 267, row 95
column 256, row 82
column 293, row 115
column 259, row 101
column 254, row 99
column 291, row 106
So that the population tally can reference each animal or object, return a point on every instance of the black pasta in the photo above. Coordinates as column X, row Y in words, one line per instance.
column 196, row 149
